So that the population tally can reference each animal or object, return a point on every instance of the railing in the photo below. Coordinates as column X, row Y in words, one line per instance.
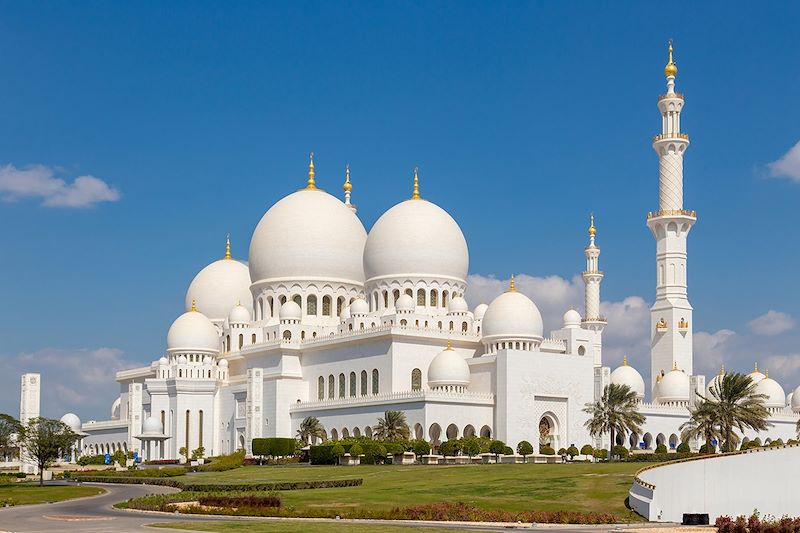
column 664, row 136
column 670, row 95
column 596, row 319
column 394, row 396
column 672, row 212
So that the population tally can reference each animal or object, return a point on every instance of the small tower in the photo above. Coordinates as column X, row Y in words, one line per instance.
column 29, row 404
column 592, row 277
column 348, row 187
column 671, row 314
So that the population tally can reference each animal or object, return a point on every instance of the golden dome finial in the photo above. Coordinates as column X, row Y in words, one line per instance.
column 194, row 306
column 755, row 368
column 766, row 374
column 671, row 69
column 624, row 360
column 415, row 194
column 347, row 185
column 228, row 246
column 449, row 343
column 592, row 229
column 722, row 370
column 311, row 183
column 674, row 365
column 512, row 287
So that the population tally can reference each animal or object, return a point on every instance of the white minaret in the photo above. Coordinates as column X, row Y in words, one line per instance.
column 671, row 314
column 348, row 187
column 592, row 277
column 29, row 407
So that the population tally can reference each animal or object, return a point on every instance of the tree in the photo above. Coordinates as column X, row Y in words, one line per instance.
column 702, row 423
column 616, row 412
column 524, row 448
column 184, row 451
column 471, row 446
column 736, row 405
column 448, row 448
column 44, row 440
column 310, row 429
column 392, row 426
column 337, row 450
column 572, row 451
column 198, row 453
column 420, row 447
column 497, row 447
column 683, row 448
column 356, row 450
column 9, row 429
column 587, row 450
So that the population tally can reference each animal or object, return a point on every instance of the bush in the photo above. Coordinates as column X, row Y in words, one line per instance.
column 275, row 447
column 600, row 453
column 229, row 487
column 587, row 449
column 524, row 448
column 508, row 450
column 620, row 451
column 683, row 447
column 356, row 450
column 223, row 463
column 661, row 448
column 757, row 524
column 546, row 450
column 240, row 501
column 497, row 447
column 337, row 450
column 420, row 447
column 87, row 460
column 572, row 451
column 198, row 453
column 471, row 447
column 147, row 473
column 375, row 454
column 708, row 449
column 449, row 447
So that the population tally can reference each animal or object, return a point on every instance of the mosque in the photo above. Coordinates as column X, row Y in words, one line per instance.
column 327, row 320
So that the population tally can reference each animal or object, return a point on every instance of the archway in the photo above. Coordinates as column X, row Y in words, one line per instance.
column 548, row 431
column 419, row 433
column 648, row 441
column 452, row 431
column 486, row 431
column 673, row 441
column 661, row 439
column 334, row 434
column 469, row 430
column 345, row 433
column 633, row 441
column 356, row 432
column 435, row 432
column 368, row 431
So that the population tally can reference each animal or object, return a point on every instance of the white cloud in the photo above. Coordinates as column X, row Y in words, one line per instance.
column 80, row 380
column 40, row 182
column 788, row 166
column 711, row 350
column 771, row 323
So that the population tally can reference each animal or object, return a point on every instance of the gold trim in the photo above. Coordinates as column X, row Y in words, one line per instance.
column 311, row 184
column 228, row 246
column 347, row 185
column 415, row 193
column 671, row 69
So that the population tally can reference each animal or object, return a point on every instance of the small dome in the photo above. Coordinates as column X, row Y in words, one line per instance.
column 182, row 360
column 72, row 420
column 789, row 399
column 713, row 383
column 405, row 304
column 512, row 315
column 239, row 315
column 152, row 426
column 627, row 375
column 218, row 287
column 290, row 311
column 223, row 363
column 775, row 395
column 359, row 307
column 674, row 387
column 572, row 319
column 457, row 305
column 346, row 313
column 192, row 332
column 796, row 400
column 163, row 361
column 756, row 375
column 480, row 310
column 448, row 368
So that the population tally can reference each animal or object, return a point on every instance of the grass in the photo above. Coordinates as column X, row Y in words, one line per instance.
column 296, row 527
column 29, row 493
column 558, row 487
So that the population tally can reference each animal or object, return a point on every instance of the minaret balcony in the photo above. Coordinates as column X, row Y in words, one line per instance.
column 595, row 320
column 672, row 213
column 670, row 95
column 670, row 136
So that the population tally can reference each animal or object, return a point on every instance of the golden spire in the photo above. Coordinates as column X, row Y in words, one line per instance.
column 624, row 360
column 766, row 374
column 311, row 184
column 228, row 246
column 194, row 306
column 347, row 185
column 722, row 370
column 415, row 195
column 674, row 365
column 511, row 286
column 592, row 229
column 449, row 344
column 671, row 69
column 755, row 369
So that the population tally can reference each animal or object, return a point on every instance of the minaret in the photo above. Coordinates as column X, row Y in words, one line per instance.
column 348, row 187
column 592, row 277
column 671, row 314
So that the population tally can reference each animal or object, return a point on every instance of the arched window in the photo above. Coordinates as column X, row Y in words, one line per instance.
column 403, row 322
column 187, row 431
column 363, row 383
column 463, row 327
column 227, row 343
column 282, row 299
column 331, row 387
column 416, row 379
column 311, row 305
column 434, row 298
column 241, row 341
column 321, row 388
column 396, row 295
column 410, row 292
column 302, row 334
column 451, row 325
column 385, row 299
column 200, row 428
column 375, row 381
column 352, row 384
column 444, row 298
column 339, row 305
column 298, row 300
column 421, row 297
column 253, row 339
column 342, row 386
column 326, row 305
column 271, row 309
column 287, row 335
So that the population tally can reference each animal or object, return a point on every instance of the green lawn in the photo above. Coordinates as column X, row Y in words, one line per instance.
column 297, row 527
column 569, row 487
column 28, row 493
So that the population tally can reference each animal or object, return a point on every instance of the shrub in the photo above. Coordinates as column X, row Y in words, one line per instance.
column 572, row 451
column 471, row 447
column 661, row 448
column 377, row 453
column 337, row 450
column 448, row 447
column 497, row 447
column 620, row 451
column 147, row 473
column 546, row 450
column 524, row 448
column 87, row 460
column 587, row 449
column 275, row 447
column 683, row 447
column 508, row 450
column 707, row 449
column 229, row 487
column 420, row 447
column 600, row 453
column 223, row 463
column 198, row 453
column 356, row 449
column 393, row 448
column 240, row 501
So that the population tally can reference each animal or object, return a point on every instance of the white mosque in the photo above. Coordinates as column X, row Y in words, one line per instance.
column 330, row 321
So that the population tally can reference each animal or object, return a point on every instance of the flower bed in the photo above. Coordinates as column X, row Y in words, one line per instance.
column 226, row 487
column 756, row 524
column 144, row 473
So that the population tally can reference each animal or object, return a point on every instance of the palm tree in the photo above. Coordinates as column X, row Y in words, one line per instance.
column 737, row 405
column 392, row 426
column 310, row 429
column 701, row 423
column 615, row 412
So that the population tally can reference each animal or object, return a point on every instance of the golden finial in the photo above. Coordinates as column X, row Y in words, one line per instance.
column 347, row 185
column 722, row 370
column 671, row 69
column 511, row 285
column 449, row 344
column 755, row 369
column 228, row 246
column 592, row 229
column 624, row 360
column 415, row 194
column 311, row 184
column 766, row 374
column 674, row 365
column 194, row 305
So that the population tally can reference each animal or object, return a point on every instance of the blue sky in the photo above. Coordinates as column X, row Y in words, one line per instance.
column 195, row 117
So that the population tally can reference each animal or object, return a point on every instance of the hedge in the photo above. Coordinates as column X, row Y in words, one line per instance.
column 275, row 446
column 225, row 487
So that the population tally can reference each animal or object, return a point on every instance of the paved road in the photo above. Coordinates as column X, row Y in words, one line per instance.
column 96, row 515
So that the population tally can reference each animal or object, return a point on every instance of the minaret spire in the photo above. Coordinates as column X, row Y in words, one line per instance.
column 592, row 277
column 671, row 314
column 347, row 188
column 311, row 183
column 228, row 246
column 415, row 194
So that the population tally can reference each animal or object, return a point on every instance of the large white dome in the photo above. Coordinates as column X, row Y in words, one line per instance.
column 72, row 420
column 775, row 395
column 796, row 400
column 418, row 239
column 674, row 387
column 627, row 375
column 756, row 375
column 192, row 332
column 512, row 315
column 447, row 369
column 219, row 287
column 308, row 235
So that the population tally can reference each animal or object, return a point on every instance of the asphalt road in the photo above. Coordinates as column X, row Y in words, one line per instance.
column 97, row 514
